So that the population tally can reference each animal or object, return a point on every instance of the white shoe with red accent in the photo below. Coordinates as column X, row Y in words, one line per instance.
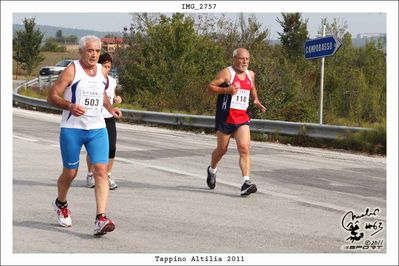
column 103, row 225
column 63, row 215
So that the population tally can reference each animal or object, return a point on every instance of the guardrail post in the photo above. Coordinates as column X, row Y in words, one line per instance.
column 50, row 79
column 39, row 79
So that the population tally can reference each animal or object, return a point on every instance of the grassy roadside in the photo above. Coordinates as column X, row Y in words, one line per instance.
column 369, row 142
column 50, row 59
column 372, row 142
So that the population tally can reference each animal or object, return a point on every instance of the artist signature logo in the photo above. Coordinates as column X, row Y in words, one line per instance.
column 363, row 227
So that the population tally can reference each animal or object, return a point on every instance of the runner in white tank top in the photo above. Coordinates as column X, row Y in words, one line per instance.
column 89, row 93
column 79, row 91
column 106, row 61
column 110, row 91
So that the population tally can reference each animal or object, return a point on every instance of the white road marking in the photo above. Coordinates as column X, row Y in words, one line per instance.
column 342, row 209
column 24, row 138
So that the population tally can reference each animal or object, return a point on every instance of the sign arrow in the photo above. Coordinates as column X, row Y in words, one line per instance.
column 321, row 47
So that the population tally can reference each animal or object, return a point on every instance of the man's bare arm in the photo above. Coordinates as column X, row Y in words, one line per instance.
column 222, row 77
column 254, row 94
column 107, row 105
column 56, row 93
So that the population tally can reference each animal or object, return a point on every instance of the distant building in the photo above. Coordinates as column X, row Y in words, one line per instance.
column 110, row 44
column 369, row 35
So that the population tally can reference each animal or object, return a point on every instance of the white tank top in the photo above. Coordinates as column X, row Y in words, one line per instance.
column 88, row 92
column 110, row 91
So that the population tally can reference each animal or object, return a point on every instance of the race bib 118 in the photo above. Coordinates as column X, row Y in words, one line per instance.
column 240, row 101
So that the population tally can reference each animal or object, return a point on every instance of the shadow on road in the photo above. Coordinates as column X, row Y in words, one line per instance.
column 51, row 227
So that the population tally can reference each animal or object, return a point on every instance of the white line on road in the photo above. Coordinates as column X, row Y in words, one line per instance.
column 24, row 138
column 342, row 209
column 202, row 177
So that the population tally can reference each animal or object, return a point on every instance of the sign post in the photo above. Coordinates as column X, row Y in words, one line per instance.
column 322, row 83
column 321, row 47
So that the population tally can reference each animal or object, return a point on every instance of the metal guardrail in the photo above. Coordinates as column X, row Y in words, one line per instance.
column 200, row 121
column 41, row 80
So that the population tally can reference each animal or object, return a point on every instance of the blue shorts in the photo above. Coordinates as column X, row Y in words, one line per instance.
column 95, row 141
column 228, row 129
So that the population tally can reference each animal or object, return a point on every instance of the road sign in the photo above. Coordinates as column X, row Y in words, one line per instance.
column 321, row 47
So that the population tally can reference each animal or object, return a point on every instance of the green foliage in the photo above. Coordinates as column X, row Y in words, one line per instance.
column 371, row 142
column 336, row 28
column 169, row 60
column 58, row 35
column 61, row 39
column 172, row 65
column 34, row 92
column 355, row 84
column 71, row 39
column 294, row 33
column 26, row 46
column 51, row 45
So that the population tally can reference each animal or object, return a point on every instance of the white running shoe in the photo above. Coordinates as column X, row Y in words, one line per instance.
column 63, row 215
column 102, row 226
column 90, row 181
column 112, row 183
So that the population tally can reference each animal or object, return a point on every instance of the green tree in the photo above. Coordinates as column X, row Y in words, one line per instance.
column 355, row 84
column 294, row 33
column 252, row 35
column 59, row 36
column 168, row 65
column 246, row 32
column 372, row 63
column 26, row 46
column 71, row 39
column 336, row 28
column 169, row 60
column 51, row 45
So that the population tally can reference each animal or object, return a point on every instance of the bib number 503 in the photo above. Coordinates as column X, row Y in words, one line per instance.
column 91, row 102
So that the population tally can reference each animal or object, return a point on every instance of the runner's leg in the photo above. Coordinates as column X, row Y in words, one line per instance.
column 221, row 148
column 243, row 138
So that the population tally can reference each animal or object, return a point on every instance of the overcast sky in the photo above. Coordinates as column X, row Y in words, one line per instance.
column 114, row 22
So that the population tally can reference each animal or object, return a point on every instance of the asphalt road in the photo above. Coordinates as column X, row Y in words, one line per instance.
column 163, row 204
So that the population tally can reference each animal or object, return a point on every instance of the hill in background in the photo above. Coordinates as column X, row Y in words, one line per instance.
column 50, row 31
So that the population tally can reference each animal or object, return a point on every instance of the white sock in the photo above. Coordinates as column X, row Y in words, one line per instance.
column 213, row 171
column 245, row 178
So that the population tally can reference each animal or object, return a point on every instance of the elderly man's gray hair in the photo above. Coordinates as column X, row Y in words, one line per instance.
column 85, row 39
column 235, row 52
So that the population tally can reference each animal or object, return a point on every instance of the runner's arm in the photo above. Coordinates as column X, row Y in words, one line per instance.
column 254, row 94
column 56, row 93
column 107, row 105
column 214, row 87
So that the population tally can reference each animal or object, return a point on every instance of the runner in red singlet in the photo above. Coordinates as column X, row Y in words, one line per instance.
column 235, row 86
